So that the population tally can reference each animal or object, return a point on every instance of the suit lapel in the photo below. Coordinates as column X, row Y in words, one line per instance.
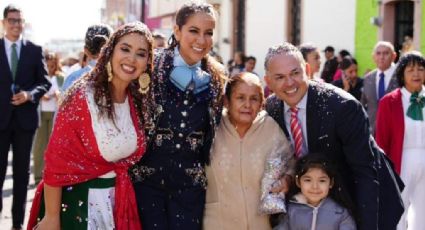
column 314, row 116
column 372, row 89
column 392, row 85
column 4, row 63
column 23, row 55
column 281, row 118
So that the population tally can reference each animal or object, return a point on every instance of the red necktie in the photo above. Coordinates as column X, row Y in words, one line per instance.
column 296, row 132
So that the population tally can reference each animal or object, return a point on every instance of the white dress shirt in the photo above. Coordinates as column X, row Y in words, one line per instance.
column 302, row 118
column 388, row 75
column 51, row 105
column 414, row 131
column 8, row 48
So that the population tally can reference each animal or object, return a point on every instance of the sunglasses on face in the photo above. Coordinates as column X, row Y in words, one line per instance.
column 14, row 21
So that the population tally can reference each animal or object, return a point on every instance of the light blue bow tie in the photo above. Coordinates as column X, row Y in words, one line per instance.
column 184, row 76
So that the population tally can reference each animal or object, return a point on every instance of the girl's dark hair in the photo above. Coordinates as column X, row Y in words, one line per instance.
column 185, row 12
column 346, row 62
column 410, row 58
column 239, row 78
column 98, row 77
column 320, row 161
column 96, row 37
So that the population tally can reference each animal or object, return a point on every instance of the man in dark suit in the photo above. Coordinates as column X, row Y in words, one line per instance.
column 22, row 84
column 333, row 122
column 379, row 81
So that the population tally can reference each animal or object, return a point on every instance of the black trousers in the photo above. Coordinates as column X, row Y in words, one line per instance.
column 21, row 142
column 164, row 209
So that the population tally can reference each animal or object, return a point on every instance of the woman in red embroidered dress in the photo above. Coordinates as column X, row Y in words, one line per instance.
column 97, row 136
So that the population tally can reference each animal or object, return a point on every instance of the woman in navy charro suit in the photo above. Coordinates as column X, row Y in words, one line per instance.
column 187, row 88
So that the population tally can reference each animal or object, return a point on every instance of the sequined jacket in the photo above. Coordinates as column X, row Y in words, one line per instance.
column 176, row 130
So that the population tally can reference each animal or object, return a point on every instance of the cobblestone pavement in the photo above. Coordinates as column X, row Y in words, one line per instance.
column 6, row 215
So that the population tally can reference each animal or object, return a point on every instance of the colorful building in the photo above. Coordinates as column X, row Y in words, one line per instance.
column 253, row 26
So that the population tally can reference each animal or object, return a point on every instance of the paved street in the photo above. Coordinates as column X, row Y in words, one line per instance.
column 6, row 216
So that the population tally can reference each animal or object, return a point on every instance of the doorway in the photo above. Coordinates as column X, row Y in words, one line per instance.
column 403, row 25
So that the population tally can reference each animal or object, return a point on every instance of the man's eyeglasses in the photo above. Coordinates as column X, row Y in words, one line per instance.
column 14, row 21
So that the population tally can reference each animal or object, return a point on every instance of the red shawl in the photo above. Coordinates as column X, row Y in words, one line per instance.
column 73, row 157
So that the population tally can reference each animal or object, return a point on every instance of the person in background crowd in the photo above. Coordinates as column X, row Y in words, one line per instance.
column 215, row 55
column 48, row 107
column 407, row 45
column 85, row 182
column 350, row 81
column 170, row 179
column 311, row 55
column 400, row 132
column 237, row 65
column 315, row 201
column 96, row 37
column 341, row 55
column 379, row 81
column 250, row 62
column 331, row 65
column 22, row 84
column 317, row 117
column 159, row 41
column 75, row 63
column 248, row 144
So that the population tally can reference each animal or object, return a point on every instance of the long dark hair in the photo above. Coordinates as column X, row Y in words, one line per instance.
column 98, row 77
column 346, row 62
column 320, row 161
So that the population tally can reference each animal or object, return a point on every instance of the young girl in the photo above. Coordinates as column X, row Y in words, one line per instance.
column 170, row 180
column 317, row 203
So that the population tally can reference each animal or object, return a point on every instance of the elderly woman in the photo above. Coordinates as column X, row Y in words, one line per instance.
column 246, row 141
column 400, row 131
column 86, row 183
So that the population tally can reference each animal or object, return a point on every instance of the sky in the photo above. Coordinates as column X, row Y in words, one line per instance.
column 62, row 19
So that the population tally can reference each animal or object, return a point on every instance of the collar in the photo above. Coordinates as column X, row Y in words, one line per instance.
column 257, row 122
column 301, row 199
column 92, row 63
column 406, row 94
column 179, row 61
column 8, row 43
column 301, row 105
column 387, row 72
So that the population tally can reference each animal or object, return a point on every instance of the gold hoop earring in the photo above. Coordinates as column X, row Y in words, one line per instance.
column 109, row 71
column 144, row 81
